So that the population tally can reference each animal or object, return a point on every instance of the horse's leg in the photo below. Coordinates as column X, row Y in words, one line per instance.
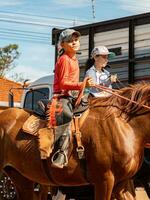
column 59, row 196
column 124, row 191
column 53, row 190
column 24, row 187
column 104, row 187
column 43, row 192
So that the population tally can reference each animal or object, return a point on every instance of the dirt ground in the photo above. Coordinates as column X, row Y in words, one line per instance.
column 141, row 194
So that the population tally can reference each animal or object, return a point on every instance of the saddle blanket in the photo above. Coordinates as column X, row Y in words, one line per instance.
column 33, row 124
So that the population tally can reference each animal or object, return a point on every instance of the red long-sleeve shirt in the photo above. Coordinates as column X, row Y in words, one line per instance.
column 66, row 75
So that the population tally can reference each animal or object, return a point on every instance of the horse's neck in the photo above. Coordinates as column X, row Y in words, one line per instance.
column 141, row 127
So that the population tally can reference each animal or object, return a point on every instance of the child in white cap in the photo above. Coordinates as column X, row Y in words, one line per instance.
column 96, row 70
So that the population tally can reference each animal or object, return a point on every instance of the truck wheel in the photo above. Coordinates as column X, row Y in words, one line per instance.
column 7, row 188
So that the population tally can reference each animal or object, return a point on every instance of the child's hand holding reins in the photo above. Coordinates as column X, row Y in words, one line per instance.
column 90, row 82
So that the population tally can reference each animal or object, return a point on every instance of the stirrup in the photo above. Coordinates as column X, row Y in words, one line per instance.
column 57, row 159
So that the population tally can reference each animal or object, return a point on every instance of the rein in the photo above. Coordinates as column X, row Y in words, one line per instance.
column 106, row 89
column 112, row 91
column 80, row 95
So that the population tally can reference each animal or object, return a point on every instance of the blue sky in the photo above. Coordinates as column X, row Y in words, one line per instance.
column 29, row 24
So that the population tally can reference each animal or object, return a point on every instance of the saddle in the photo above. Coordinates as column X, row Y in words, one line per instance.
column 37, row 126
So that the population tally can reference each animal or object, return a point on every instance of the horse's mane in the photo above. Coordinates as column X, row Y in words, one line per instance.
column 139, row 93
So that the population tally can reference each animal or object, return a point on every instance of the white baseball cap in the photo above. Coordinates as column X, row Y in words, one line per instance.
column 102, row 50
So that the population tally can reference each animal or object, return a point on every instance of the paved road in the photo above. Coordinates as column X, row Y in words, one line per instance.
column 141, row 194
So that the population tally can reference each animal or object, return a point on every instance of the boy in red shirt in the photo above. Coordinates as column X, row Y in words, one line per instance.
column 66, row 83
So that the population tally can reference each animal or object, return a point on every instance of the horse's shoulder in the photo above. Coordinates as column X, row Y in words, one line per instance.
column 15, row 112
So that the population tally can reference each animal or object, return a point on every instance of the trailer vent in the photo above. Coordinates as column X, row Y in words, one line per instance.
column 116, row 50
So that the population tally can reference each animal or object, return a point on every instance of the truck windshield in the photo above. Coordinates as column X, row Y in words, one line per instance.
column 33, row 96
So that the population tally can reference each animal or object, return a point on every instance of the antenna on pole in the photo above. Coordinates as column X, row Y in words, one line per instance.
column 74, row 22
column 93, row 9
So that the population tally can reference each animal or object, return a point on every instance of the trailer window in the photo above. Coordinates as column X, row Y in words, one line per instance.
column 33, row 96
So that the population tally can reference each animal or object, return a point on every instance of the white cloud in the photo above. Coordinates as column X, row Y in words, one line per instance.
column 136, row 6
column 36, row 53
column 10, row 3
column 28, row 72
column 72, row 3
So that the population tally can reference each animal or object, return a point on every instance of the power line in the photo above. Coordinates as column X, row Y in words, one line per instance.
column 24, row 19
column 43, row 17
column 39, row 20
column 23, row 34
column 29, row 23
column 24, row 31
column 23, row 39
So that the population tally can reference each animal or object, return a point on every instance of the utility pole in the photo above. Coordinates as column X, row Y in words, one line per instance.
column 93, row 9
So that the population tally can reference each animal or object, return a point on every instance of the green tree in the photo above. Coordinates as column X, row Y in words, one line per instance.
column 8, row 55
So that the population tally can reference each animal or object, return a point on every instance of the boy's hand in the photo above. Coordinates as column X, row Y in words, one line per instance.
column 90, row 82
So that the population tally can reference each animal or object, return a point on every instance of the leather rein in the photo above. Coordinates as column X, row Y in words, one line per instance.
column 106, row 89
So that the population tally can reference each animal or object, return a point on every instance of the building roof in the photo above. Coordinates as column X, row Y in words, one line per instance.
column 5, row 86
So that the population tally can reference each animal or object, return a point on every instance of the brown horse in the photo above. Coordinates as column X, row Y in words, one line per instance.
column 114, row 132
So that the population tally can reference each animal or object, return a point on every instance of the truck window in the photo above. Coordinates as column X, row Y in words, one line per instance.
column 33, row 96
